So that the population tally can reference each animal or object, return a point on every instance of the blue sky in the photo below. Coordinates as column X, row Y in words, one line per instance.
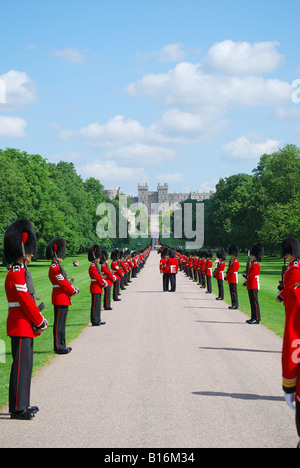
column 183, row 92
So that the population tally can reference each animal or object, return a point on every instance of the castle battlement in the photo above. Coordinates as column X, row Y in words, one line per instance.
column 171, row 200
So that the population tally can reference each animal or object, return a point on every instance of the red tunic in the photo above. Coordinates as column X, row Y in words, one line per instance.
column 208, row 268
column 107, row 275
column 219, row 273
column 163, row 266
column 291, row 342
column 232, row 275
column 115, row 268
column 62, row 289
column 173, row 265
column 291, row 277
column 23, row 312
column 252, row 282
column 96, row 280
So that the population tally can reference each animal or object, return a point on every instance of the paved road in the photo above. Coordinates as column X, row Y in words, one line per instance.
column 167, row 371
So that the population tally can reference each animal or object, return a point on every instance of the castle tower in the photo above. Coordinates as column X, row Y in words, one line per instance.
column 163, row 195
column 143, row 194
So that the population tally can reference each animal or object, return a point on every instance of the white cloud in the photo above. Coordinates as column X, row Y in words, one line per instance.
column 175, row 178
column 184, row 128
column 170, row 53
column 116, row 131
column 281, row 113
column 143, row 154
column 12, row 127
column 70, row 56
column 244, row 148
column 243, row 58
column 189, row 87
column 110, row 171
column 19, row 90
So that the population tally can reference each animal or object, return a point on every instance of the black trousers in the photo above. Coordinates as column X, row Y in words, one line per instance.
column 172, row 278
column 221, row 288
column 96, row 309
column 234, row 295
column 107, row 298
column 21, row 371
column 116, row 290
column 208, row 282
column 255, row 309
column 166, row 280
column 59, row 327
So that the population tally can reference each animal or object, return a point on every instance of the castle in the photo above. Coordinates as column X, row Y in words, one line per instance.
column 171, row 200
column 161, row 196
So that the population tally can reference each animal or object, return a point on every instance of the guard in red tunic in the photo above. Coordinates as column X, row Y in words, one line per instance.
column 108, row 276
column 61, row 294
column 219, row 273
column 164, row 268
column 290, row 296
column 208, row 271
column 97, row 285
column 117, row 272
column 252, row 282
column 25, row 321
column 173, row 267
column 232, row 276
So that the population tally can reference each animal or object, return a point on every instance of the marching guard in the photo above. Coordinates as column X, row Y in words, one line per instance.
column 97, row 285
column 62, row 292
column 25, row 321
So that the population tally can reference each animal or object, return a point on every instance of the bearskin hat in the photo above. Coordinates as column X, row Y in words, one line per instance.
column 104, row 256
column 57, row 247
column 234, row 250
column 290, row 245
column 114, row 255
column 172, row 253
column 258, row 251
column 94, row 252
column 221, row 254
column 18, row 233
column 165, row 252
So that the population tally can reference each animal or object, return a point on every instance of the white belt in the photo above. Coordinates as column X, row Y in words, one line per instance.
column 13, row 304
column 56, row 286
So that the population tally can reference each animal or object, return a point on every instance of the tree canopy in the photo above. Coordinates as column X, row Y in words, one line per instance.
column 261, row 207
column 53, row 196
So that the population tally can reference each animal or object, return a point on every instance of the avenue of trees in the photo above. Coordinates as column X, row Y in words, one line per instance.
column 264, row 206
column 261, row 207
column 55, row 199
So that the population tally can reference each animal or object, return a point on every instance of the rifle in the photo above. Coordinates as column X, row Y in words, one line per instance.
column 245, row 275
column 281, row 282
column 229, row 265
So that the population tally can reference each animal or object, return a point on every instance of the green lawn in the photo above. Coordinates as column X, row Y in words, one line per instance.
column 79, row 314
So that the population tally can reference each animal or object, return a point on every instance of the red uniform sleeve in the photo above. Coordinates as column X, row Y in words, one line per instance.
column 95, row 275
column 57, row 279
